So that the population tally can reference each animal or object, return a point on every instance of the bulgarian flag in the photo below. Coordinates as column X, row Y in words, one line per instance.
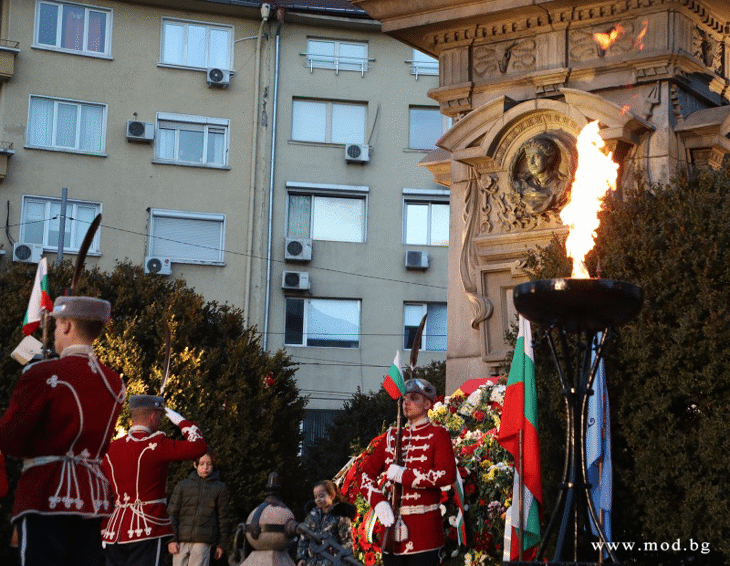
column 520, row 415
column 393, row 382
column 39, row 299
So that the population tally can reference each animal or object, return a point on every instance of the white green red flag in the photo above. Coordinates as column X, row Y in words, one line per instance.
column 520, row 414
column 39, row 299
column 393, row 382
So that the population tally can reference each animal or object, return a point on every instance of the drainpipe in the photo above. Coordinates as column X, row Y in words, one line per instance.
column 275, row 111
column 254, row 156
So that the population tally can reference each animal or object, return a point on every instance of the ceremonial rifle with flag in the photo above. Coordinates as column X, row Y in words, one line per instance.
column 396, row 388
column 518, row 435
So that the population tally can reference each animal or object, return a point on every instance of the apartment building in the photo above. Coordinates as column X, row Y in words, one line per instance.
column 269, row 156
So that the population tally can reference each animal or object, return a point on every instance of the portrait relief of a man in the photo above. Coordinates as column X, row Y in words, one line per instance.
column 540, row 174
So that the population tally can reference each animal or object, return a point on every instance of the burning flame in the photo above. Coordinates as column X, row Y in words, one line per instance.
column 605, row 40
column 595, row 175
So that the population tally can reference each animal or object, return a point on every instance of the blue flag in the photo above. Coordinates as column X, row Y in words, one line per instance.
column 598, row 447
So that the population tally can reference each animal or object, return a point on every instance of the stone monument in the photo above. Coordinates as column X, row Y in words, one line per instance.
column 520, row 79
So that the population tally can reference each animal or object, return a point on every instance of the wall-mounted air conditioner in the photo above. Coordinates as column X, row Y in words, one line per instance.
column 140, row 131
column 218, row 77
column 27, row 253
column 298, row 249
column 357, row 153
column 295, row 280
column 416, row 260
column 157, row 265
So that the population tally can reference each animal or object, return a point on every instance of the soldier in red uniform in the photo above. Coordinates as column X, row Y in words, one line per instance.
column 429, row 465
column 137, row 466
column 61, row 420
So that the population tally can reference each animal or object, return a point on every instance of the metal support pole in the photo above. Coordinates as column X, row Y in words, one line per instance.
column 62, row 224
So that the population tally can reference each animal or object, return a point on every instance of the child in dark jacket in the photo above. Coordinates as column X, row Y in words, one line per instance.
column 330, row 514
column 198, row 509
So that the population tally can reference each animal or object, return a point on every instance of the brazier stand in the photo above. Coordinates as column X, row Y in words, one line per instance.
column 579, row 309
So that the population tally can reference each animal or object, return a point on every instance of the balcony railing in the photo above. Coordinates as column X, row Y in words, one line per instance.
column 423, row 67
column 337, row 62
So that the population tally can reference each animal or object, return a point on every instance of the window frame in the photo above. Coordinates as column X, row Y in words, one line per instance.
column 318, row 61
column 326, row 190
column 204, row 122
column 166, row 213
column 424, row 310
column 208, row 27
column 445, row 125
column 54, row 133
column 429, row 198
column 328, row 125
column 77, row 229
column 106, row 54
column 306, row 332
column 422, row 64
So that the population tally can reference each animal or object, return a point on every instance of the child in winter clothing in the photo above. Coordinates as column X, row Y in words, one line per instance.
column 331, row 514
column 199, row 512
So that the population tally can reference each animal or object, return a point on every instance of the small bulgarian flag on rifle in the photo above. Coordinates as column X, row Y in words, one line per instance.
column 393, row 382
column 39, row 299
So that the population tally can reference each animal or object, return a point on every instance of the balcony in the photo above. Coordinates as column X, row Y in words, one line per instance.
column 8, row 51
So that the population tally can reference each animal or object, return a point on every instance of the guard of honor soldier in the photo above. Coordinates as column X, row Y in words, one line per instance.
column 137, row 465
column 60, row 421
column 429, row 465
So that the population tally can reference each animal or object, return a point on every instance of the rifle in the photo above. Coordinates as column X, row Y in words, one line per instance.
column 397, row 531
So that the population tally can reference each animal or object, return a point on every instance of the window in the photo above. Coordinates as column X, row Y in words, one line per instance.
column 187, row 237
column 41, row 223
column 326, row 212
column 196, row 45
column 74, row 28
column 422, row 64
column 333, row 323
column 328, row 122
column 337, row 55
column 191, row 140
column 434, row 331
column 426, row 221
column 426, row 126
column 66, row 125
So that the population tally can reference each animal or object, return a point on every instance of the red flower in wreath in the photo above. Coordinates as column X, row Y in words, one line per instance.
column 269, row 380
column 469, row 489
column 479, row 415
column 369, row 558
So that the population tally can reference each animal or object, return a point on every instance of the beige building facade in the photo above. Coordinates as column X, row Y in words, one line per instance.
column 269, row 157
column 521, row 75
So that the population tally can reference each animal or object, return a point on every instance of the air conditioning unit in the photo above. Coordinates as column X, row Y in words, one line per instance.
column 357, row 153
column 298, row 249
column 218, row 77
column 416, row 260
column 27, row 253
column 158, row 265
column 295, row 280
column 140, row 131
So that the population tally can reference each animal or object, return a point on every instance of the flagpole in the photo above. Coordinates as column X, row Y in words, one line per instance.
column 44, row 329
column 521, row 492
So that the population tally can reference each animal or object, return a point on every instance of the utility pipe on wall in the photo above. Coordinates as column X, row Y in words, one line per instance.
column 265, row 8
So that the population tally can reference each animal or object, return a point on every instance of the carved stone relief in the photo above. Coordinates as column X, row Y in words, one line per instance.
column 708, row 49
column 582, row 45
column 500, row 58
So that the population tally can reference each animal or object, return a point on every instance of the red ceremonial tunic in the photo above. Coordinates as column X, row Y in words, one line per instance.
column 137, row 466
column 430, row 465
column 61, row 420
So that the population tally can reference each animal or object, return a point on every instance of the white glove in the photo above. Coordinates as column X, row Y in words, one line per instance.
column 384, row 513
column 176, row 418
column 395, row 473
